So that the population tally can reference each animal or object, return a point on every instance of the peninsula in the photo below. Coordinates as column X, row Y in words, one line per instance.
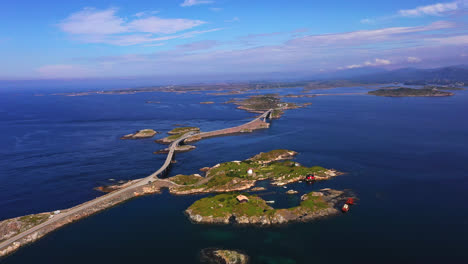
column 410, row 92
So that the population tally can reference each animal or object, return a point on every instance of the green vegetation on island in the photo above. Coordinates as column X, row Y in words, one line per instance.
column 262, row 103
column 409, row 92
column 14, row 226
column 251, row 209
column 241, row 175
column 144, row 133
column 182, row 130
column 186, row 179
column 177, row 133
column 222, row 256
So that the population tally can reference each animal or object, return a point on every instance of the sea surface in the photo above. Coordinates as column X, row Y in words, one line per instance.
column 406, row 159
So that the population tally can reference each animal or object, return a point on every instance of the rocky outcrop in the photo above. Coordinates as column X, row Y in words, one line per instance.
column 236, row 184
column 178, row 149
column 274, row 155
column 258, row 189
column 314, row 205
column 222, row 256
column 324, row 175
column 145, row 133
column 292, row 192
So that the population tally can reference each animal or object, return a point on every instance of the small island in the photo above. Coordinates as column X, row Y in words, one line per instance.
column 222, row 256
column 241, row 175
column 248, row 209
column 208, row 102
column 144, row 133
column 177, row 133
column 409, row 92
column 262, row 103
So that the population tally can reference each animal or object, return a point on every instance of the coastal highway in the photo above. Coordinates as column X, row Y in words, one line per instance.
column 107, row 197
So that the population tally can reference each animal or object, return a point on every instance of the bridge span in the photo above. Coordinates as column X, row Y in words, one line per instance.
column 107, row 200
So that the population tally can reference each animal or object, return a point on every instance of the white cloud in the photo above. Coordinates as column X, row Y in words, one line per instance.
column 104, row 26
column 367, row 36
column 353, row 66
column 163, row 25
column 91, row 21
column 452, row 40
column 145, row 13
column 195, row 2
column 432, row 10
column 147, row 39
column 413, row 59
column 376, row 62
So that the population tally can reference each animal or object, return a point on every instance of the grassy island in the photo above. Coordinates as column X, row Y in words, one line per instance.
column 226, row 208
column 409, row 92
column 177, row 133
column 241, row 175
column 182, row 130
column 144, row 133
column 262, row 103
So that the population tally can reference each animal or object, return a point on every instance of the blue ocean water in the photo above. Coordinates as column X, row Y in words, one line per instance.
column 405, row 158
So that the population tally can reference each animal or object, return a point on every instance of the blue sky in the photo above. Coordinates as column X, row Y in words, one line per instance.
column 54, row 39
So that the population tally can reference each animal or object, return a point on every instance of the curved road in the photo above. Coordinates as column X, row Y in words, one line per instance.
column 138, row 183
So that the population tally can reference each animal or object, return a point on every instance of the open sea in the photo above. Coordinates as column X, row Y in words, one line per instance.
column 406, row 159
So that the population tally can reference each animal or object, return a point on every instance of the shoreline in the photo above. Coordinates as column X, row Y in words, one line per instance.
column 151, row 184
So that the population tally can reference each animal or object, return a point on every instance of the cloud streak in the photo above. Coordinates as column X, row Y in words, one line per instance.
column 105, row 26
column 390, row 47
column 188, row 3
column 431, row 10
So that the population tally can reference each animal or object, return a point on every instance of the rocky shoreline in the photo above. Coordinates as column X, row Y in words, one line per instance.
column 222, row 256
column 314, row 205
column 144, row 133
column 14, row 226
column 242, row 175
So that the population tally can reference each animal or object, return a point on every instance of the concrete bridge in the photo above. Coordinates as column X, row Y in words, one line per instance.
column 101, row 202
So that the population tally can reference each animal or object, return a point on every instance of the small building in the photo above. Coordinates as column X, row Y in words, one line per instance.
column 310, row 178
column 242, row 198
column 250, row 171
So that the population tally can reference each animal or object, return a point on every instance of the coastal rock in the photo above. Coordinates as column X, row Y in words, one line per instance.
column 221, row 256
column 205, row 169
column 257, row 189
column 145, row 133
column 178, row 149
column 274, row 155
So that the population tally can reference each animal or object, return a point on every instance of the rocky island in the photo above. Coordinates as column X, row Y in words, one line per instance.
column 144, row 133
column 409, row 92
column 252, row 210
column 241, row 175
column 261, row 103
column 222, row 256
column 177, row 133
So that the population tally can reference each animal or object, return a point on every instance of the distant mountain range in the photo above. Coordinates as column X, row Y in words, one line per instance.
column 445, row 75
